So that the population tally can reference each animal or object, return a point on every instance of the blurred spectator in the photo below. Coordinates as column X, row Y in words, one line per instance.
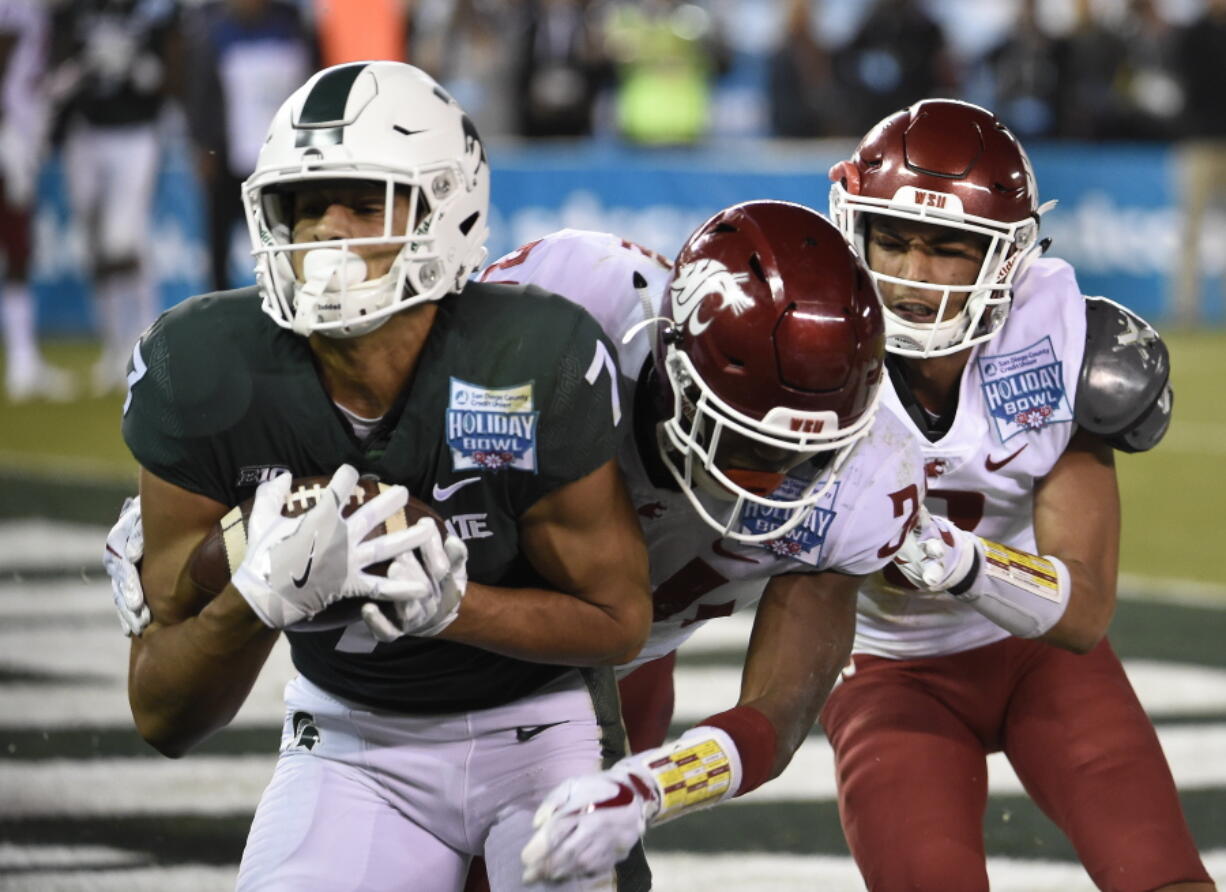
column 1093, row 52
column 897, row 56
column 361, row 30
column 1147, row 78
column 803, row 100
column 1025, row 71
column 667, row 54
column 469, row 47
column 115, row 63
column 559, row 66
column 23, row 120
column 1202, row 158
column 246, row 57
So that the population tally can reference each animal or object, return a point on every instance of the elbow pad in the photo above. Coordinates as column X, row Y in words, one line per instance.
column 1124, row 391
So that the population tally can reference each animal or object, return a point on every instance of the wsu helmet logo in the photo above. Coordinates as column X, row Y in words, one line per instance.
column 700, row 279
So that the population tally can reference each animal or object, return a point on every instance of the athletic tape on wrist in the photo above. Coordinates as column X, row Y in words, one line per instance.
column 755, row 739
column 695, row 771
column 1023, row 593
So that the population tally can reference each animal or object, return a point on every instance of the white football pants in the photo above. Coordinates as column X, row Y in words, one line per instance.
column 373, row 801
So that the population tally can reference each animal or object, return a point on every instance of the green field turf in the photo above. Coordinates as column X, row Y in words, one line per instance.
column 1171, row 495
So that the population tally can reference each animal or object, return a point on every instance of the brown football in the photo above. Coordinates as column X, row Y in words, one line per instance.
column 209, row 568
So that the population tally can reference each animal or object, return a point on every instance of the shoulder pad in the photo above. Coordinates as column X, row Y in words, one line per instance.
column 1124, row 392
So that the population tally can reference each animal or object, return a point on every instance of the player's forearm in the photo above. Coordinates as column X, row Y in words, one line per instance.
column 187, row 680
column 552, row 627
column 792, row 708
column 801, row 641
column 1090, row 609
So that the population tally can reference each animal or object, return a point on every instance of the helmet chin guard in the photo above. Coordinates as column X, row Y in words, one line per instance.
column 335, row 278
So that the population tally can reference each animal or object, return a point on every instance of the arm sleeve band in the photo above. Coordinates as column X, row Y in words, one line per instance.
column 1023, row 593
column 755, row 739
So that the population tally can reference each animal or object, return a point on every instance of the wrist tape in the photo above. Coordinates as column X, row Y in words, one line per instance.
column 1025, row 594
column 697, row 770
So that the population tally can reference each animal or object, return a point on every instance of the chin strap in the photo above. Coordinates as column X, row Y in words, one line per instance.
column 325, row 270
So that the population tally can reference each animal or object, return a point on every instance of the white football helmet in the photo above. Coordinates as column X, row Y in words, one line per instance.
column 382, row 122
column 952, row 164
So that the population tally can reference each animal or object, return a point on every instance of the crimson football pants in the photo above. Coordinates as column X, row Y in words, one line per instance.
column 911, row 739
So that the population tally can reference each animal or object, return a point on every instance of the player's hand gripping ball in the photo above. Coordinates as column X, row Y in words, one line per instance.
column 279, row 590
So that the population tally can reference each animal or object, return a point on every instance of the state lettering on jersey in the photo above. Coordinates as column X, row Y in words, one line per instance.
column 490, row 428
column 805, row 541
column 469, row 526
column 1024, row 390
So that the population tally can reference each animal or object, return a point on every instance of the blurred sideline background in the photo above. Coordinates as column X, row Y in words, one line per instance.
column 640, row 119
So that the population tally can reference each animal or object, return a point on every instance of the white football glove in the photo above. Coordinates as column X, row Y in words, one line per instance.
column 587, row 824
column 125, row 546
column 936, row 555
column 296, row 566
column 437, row 570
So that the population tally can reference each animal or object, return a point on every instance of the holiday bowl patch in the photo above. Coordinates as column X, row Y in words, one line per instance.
column 803, row 542
column 1024, row 390
column 491, row 428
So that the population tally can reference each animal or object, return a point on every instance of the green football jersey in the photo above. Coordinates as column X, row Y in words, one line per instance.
column 514, row 396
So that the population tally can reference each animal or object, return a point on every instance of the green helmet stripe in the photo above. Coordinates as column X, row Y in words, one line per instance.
column 327, row 99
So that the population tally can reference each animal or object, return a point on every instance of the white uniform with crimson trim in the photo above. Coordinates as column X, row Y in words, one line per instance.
column 696, row 574
column 1014, row 421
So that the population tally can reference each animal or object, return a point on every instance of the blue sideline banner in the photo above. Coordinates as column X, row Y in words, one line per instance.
column 1116, row 220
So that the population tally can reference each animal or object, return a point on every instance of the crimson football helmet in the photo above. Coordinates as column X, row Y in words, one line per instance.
column 385, row 123
column 952, row 164
column 770, row 359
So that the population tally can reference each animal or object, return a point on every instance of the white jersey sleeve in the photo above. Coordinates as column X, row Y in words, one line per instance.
column 597, row 271
column 1013, row 422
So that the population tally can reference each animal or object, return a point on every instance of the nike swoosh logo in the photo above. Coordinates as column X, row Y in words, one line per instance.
column 443, row 493
column 997, row 465
column 718, row 547
column 300, row 581
column 525, row 734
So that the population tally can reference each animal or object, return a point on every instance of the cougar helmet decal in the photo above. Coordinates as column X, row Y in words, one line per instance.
column 389, row 127
column 770, row 359
column 955, row 165
column 698, row 279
